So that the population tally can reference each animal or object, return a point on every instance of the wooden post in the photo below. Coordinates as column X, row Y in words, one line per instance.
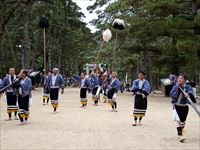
column 98, row 53
column 114, row 51
column 44, row 50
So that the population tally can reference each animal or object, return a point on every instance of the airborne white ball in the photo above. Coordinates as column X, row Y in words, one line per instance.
column 107, row 35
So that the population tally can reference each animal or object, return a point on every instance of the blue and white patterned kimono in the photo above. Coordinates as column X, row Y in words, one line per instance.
column 11, row 94
column 84, row 85
column 113, row 88
column 180, row 102
column 24, row 98
column 141, row 89
column 54, row 84
column 95, row 88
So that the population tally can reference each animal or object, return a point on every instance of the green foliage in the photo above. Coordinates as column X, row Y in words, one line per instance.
column 68, row 40
column 163, row 34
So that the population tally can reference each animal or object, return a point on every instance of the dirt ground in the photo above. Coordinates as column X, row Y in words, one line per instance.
column 96, row 127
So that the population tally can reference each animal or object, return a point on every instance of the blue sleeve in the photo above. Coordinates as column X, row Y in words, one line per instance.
column 4, row 82
column 92, row 83
column 146, row 88
column 93, row 78
column 48, row 82
column 76, row 78
column 88, row 83
column 61, row 81
column 134, row 87
column 117, row 85
column 30, row 83
column 173, row 94
column 1, row 83
column 26, row 87
column 190, row 90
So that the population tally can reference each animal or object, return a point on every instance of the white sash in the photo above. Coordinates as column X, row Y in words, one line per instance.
column 54, row 79
column 98, row 90
column 175, row 115
column 10, row 83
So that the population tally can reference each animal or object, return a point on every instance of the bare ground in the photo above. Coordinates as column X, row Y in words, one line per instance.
column 96, row 127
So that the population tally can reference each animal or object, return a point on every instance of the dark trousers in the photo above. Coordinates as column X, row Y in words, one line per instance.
column 94, row 91
column 11, row 103
column 114, row 105
column 23, row 103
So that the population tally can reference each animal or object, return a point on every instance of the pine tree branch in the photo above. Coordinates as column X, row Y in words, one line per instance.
column 7, row 17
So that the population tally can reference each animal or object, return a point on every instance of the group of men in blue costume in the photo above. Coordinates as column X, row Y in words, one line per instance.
column 96, row 82
column 18, row 93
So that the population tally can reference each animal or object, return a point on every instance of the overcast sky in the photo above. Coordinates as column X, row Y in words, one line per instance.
column 83, row 4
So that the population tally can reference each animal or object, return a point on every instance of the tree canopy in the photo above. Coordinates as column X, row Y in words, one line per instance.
column 68, row 40
column 161, row 36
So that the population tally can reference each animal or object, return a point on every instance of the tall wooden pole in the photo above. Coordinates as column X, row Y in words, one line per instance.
column 45, row 65
column 98, row 54
column 114, row 51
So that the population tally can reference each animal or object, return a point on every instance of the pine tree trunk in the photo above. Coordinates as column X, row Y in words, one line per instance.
column 49, row 60
column 194, row 7
column 26, row 48
column 146, row 62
